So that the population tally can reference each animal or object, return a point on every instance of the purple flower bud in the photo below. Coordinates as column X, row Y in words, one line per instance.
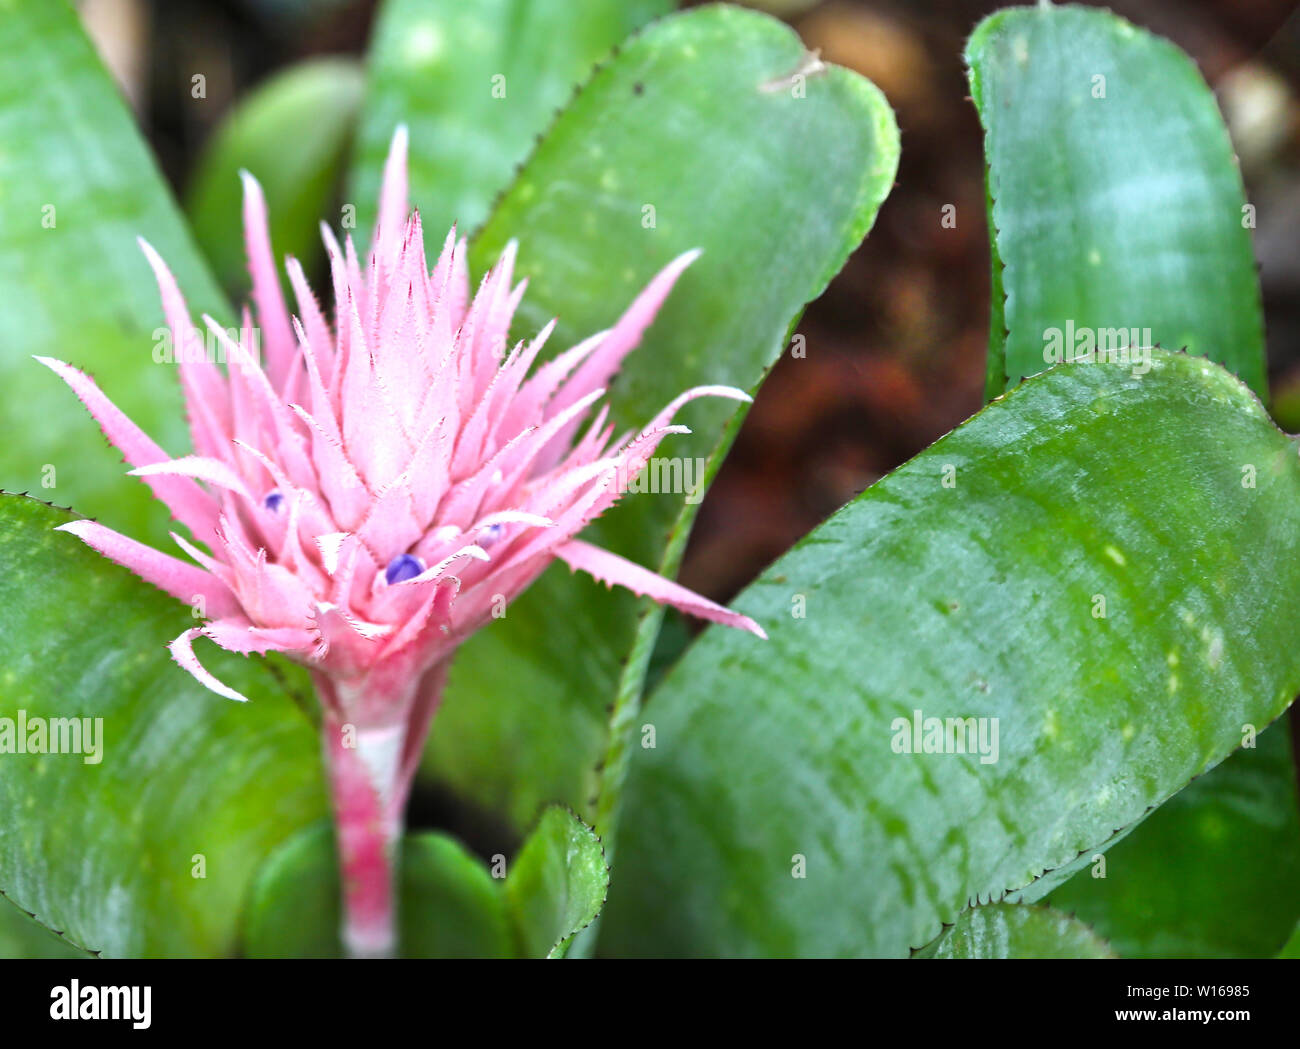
column 403, row 567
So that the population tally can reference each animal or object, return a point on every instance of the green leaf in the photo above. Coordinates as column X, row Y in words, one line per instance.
column 654, row 651
column 1122, row 211
column 21, row 936
column 978, row 600
column 150, row 849
column 777, row 190
column 449, row 905
column 557, row 884
column 1233, row 835
column 1291, row 949
column 312, row 105
column 1096, row 202
column 79, row 186
column 476, row 84
column 1003, row 930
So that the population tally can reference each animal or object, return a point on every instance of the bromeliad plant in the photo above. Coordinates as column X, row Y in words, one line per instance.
column 1089, row 582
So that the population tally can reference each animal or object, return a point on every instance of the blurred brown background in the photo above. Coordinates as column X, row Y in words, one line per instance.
column 895, row 348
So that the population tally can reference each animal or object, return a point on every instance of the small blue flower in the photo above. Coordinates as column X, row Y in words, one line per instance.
column 403, row 567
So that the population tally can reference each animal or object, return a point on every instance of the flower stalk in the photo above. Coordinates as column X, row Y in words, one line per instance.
column 368, row 827
column 373, row 734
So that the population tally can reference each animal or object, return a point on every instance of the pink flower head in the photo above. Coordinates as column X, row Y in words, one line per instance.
column 372, row 490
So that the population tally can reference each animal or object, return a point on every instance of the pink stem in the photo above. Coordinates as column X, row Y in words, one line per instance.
column 368, row 827
column 370, row 771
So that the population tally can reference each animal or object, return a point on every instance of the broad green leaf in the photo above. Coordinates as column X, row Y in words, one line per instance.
column 476, row 84
column 449, row 905
column 981, row 599
column 557, row 884
column 77, row 186
column 312, row 105
column 1116, row 201
column 1213, row 873
column 777, row 185
column 1156, row 240
column 22, row 937
column 148, row 850
column 1002, row 930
